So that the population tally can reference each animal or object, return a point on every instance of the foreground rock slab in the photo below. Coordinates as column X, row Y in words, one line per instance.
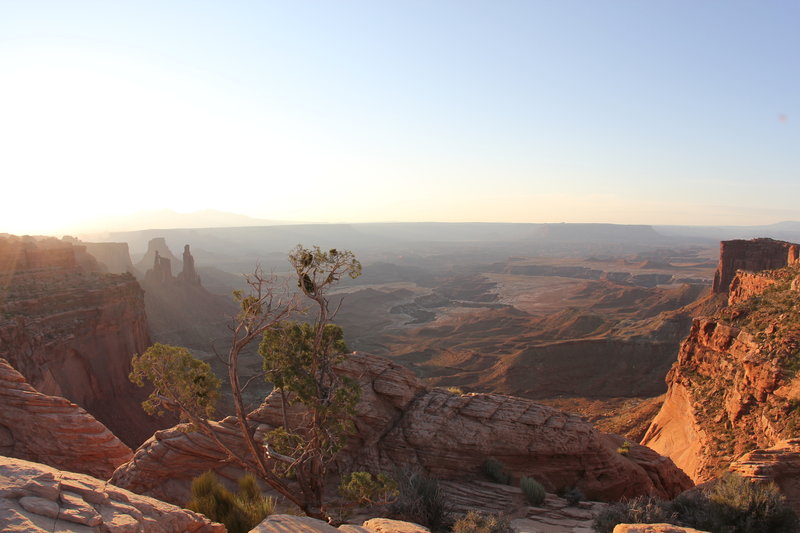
column 36, row 498
column 53, row 430
column 303, row 524
column 654, row 528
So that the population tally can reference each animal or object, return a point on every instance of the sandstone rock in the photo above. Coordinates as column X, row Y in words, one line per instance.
column 157, row 246
column 733, row 390
column 400, row 422
column 385, row 525
column 188, row 275
column 55, row 431
column 653, row 528
column 71, row 333
column 293, row 524
column 753, row 255
column 108, row 510
column 779, row 464
column 115, row 256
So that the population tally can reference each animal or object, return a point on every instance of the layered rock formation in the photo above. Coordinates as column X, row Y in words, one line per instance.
column 36, row 498
column 401, row 422
column 734, row 387
column 71, row 332
column 54, row 431
column 157, row 247
column 779, row 464
column 180, row 310
column 113, row 257
column 753, row 256
column 188, row 275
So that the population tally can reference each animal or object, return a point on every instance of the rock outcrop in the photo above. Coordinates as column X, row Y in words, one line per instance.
column 161, row 272
column 779, row 464
column 188, row 275
column 302, row 524
column 401, row 422
column 180, row 310
column 157, row 247
column 35, row 498
column 113, row 257
column 753, row 256
column 654, row 528
column 734, row 387
column 54, row 431
column 72, row 331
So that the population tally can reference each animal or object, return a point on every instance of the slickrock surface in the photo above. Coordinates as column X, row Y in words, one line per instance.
column 385, row 525
column 779, row 464
column 734, row 387
column 654, row 528
column 53, row 430
column 304, row 524
column 71, row 332
column 400, row 422
column 35, row 498
column 555, row 515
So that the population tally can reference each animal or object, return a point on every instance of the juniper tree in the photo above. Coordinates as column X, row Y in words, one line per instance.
column 298, row 359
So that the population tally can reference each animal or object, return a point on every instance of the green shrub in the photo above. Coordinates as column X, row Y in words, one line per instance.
column 533, row 490
column 238, row 512
column 573, row 495
column 495, row 471
column 363, row 488
column 455, row 390
column 625, row 448
column 475, row 522
column 639, row 510
column 420, row 500
column 731, row 505
column 739, row 505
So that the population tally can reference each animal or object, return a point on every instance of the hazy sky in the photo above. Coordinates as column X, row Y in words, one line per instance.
column 636, row 111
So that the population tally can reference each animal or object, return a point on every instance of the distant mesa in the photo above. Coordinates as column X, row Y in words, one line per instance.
column 753, row 256
column 18, row 254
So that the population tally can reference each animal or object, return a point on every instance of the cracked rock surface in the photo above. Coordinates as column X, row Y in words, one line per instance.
column 36, row 498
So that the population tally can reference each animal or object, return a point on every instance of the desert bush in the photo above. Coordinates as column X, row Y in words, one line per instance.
column 625, row 448
column 573, row 495
column 238, row 512
column 533, row 490
column 639, row 510
column 475, row 522
column 363, row 488
column 420, row 500
column 495, row 471
column 739, row 505
column 455, row 390
column 731, row 505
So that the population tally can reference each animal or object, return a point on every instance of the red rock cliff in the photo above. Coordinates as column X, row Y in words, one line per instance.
column 735, row 385
column 72, row 332
column 54, row 431
column 753, row 255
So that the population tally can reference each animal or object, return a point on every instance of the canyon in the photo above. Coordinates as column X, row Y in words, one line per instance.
column 70, row 329
column 530, row 340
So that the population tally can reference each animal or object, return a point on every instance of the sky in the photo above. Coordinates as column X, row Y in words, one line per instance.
column 632, row 112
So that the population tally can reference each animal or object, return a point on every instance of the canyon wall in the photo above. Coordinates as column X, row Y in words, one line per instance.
column 751, row 255
column 735, row 386
column 71, row 332
column 53, row 430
